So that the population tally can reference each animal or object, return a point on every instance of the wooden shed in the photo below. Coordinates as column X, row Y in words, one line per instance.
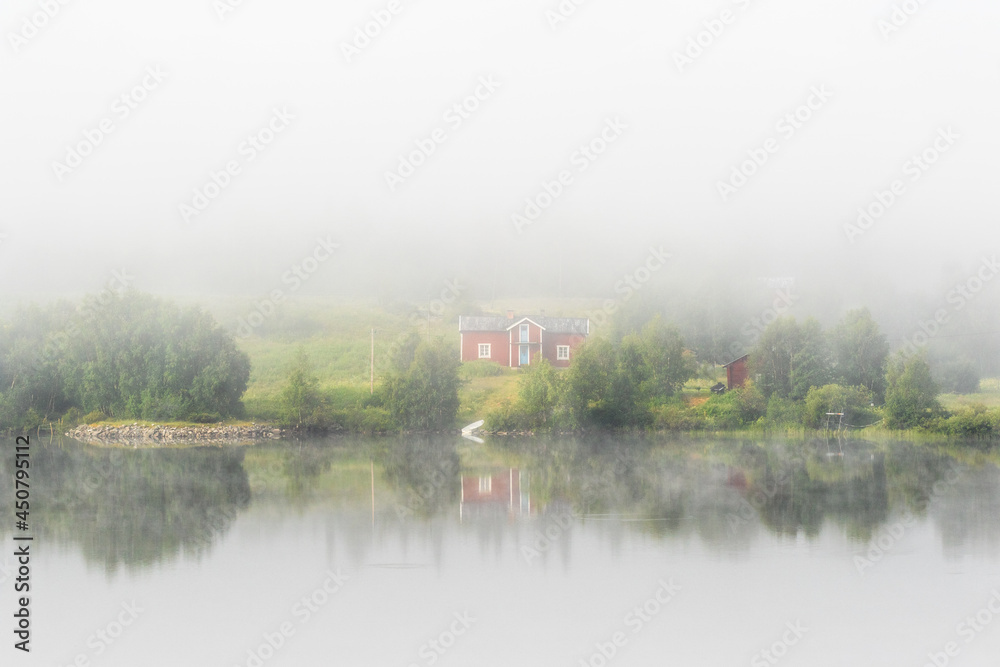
column 737, row 372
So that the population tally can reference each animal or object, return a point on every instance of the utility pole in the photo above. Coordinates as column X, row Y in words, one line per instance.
column 371, row 388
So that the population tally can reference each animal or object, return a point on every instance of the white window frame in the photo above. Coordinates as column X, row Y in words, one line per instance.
column 562, row 352
column 489, row 351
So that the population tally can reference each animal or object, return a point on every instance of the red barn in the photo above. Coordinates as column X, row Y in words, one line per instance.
column 736, row 372
column 515, row 341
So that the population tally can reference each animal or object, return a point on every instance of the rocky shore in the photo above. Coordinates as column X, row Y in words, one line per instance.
column 157, row 435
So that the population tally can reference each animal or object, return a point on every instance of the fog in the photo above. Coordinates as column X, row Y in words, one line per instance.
column 207, row 147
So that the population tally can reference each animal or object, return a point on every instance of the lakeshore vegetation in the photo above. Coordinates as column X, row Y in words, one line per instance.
column 134, row 357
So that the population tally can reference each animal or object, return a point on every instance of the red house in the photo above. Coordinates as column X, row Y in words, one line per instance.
column 515, row 341
column 736, row 372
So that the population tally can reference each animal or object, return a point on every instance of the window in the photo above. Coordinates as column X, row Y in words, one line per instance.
column 484, row 350
column 524, row 333
column 562, row 352
column 485, row 484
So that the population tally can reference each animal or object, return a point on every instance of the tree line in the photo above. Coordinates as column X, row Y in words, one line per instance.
column 799, row 373
column 127, row 356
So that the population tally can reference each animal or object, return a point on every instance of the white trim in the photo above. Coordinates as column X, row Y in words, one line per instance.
column 526, row 319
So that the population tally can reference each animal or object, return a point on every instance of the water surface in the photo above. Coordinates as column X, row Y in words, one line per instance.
column 421, row 551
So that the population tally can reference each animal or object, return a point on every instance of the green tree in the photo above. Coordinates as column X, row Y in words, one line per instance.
column 540, row 390
column 606, row 384
column 424, row 395
column 590, row 378
column 300, row 396
column 668, row 364
column 128, row 356
column 618, row 384
column 772, row 358
column 811, row 361
column 911, row 394
column 790, row 358
column 860, row 352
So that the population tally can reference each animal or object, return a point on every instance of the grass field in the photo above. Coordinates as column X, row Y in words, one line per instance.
column 988, row 395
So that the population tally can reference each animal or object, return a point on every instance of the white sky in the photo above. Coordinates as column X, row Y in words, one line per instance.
column 325, row 173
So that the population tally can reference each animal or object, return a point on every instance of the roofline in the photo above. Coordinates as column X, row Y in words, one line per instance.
column 735, row 360
column 522, row 320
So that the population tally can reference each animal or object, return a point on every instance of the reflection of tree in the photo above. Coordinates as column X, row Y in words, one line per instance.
column 678, row 487
column 132, row 508
column 966, row 510
column 424, row 469
column 303, row 463
column 804, row 486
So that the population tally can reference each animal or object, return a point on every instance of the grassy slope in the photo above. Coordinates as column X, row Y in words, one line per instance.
column 336, row 336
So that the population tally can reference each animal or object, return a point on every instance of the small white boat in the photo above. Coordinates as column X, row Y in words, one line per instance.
column 473, row 426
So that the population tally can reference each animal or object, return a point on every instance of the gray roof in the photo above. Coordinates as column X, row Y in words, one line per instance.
column 572, row 325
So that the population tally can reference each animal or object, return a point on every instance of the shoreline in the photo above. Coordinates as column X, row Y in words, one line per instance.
column 160, row 434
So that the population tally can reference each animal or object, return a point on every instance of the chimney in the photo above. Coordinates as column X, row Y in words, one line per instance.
column 510, row 314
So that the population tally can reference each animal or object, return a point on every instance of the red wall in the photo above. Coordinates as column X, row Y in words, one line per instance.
column 736, row 374
column 552, row 340
column 499, row 352
column 505, row 354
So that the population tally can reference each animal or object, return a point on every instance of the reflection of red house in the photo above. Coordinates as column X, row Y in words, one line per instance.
column 736, row 372
column 515, row 341
column 736, row 478
column 498, row 494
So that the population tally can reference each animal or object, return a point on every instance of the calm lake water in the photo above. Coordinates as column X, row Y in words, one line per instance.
column 442, row 551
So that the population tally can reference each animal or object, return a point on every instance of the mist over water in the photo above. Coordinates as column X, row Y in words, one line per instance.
column 328, row 542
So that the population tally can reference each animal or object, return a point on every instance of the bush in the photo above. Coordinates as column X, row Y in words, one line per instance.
column 480, row 369
column 675, row 415
column 783, row 411
column 975, row 421
column 733, row 409
column 372, row 420
column 94, row 417
column 205, row 418
column 854, row 402
column 505, row 419
column 72, row 418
